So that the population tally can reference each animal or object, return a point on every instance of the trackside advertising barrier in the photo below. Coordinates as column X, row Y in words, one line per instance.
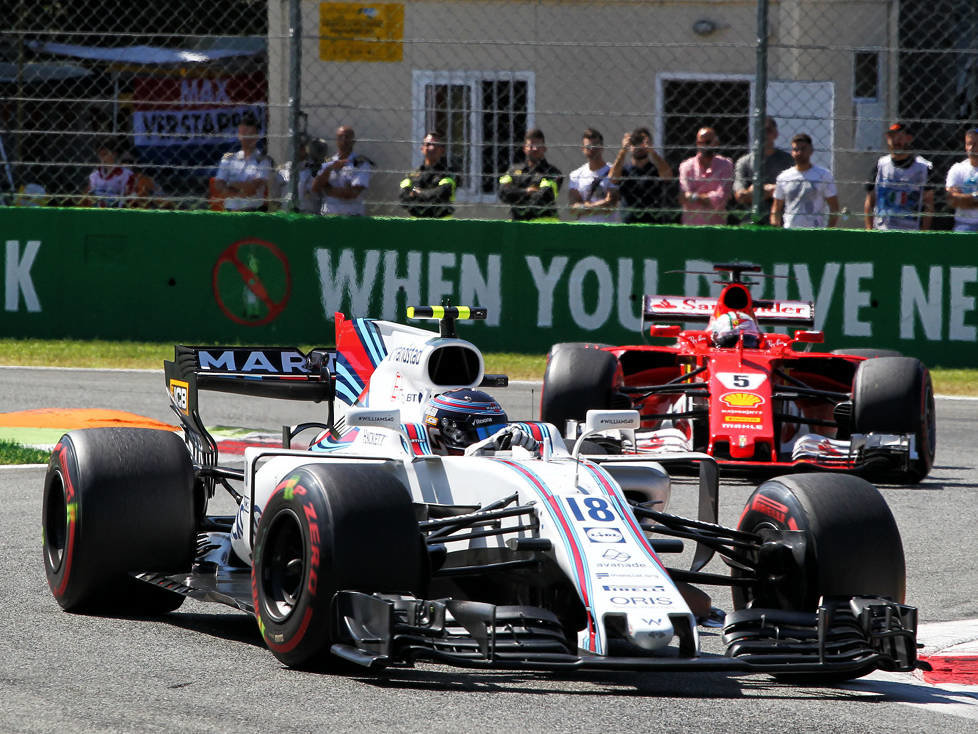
column 277, row 279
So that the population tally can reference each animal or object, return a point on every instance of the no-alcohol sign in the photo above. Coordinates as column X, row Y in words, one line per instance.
column 252, row 282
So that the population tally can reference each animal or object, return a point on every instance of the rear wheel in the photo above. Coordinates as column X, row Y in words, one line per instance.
column 117, row 500
column 895, row 395
column 579, row 377
column 328, row 529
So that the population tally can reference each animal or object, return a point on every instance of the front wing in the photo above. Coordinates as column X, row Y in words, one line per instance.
column 852, row 634
column 863, row 452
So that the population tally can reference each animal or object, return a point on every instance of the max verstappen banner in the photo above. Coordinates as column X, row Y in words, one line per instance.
column 194, row 111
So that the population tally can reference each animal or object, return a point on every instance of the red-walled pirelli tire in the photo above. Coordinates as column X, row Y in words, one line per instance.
column 579, row 377
column 329, row 528
column 895, row 395
column 115, row 501
column 853, row 544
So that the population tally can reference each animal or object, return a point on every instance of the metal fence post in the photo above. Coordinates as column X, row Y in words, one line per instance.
column 295, row 98
column 760, row 112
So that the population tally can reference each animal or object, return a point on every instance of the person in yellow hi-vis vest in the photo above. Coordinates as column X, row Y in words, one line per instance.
column 429, row 191
column 531, row 187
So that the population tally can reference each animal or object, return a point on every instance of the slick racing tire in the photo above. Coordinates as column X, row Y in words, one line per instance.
column 579, row 377
column 328, row 529
column 868, row 353
column 853, row 546
column 115, row 501
column 895, row 395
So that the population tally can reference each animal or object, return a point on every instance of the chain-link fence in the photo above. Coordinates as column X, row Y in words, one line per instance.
column 157, row 90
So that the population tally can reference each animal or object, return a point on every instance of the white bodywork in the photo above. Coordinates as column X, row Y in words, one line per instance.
column 580, row 505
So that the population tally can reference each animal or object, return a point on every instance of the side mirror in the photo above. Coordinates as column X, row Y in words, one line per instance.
column 609, row 420
column 810, row 337
column 668, row 330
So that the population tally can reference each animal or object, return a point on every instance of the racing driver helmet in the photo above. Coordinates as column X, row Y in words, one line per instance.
column 726, row 328
column 459, row 418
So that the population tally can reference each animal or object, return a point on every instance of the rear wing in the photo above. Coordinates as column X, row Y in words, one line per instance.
column 285, row 373
column 679, row 309
column 270, row 372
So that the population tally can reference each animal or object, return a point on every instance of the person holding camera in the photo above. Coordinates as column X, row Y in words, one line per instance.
column 644, row 182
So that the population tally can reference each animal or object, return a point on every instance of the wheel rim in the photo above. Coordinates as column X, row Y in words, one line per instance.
column 55, row 524
column 283, row 566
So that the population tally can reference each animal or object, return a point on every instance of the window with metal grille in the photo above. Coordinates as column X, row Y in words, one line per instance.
column 688, row 104
column 483, row 117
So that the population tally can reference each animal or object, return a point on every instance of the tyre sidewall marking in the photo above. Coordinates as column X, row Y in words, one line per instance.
column 60, row 578
column 283, row 637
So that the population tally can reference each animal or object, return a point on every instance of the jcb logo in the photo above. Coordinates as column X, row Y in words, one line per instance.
column 180, row 395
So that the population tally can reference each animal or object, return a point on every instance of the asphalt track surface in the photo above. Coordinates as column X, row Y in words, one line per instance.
column 204, row 668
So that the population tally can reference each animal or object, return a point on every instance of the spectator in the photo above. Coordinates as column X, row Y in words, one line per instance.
column 243, row 178
column 775, row 161
column 31, row 194
column 593, row 195
column 110, row 184
column 343, row 178
column 898, row 190
column 802, row 191
column 642, row 182
column 705, row 181
column 146, row 193
column 531, row 187
column 962, row 186
column 311, row 154
column 428, row 191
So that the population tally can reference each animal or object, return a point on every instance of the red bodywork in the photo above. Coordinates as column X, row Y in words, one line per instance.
column 744, row 406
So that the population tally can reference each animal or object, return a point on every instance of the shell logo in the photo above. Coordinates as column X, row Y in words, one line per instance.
column 741, row 399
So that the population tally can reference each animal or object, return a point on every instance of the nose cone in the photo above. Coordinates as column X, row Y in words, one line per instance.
column 649, row 632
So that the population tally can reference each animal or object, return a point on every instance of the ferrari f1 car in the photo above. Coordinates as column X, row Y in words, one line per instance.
column 367, row 545
column 753, row 400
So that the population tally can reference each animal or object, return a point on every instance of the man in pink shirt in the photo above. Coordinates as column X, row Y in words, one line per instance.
column 705, row 182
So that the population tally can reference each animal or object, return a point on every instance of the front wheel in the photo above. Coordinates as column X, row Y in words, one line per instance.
column 895, row 395
column 328, row 529
column 853, row 546
column 579, row 377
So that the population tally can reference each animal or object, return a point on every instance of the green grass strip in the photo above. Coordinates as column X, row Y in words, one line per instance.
column 14, row 453
column 150, row 355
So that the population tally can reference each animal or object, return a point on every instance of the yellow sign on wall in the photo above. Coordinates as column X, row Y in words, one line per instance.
column 361, row 31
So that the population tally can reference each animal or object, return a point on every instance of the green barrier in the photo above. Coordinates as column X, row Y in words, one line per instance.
column 257, row 278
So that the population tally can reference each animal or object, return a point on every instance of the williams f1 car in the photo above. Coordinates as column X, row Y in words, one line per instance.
column 753, row 400
column 417, row 524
